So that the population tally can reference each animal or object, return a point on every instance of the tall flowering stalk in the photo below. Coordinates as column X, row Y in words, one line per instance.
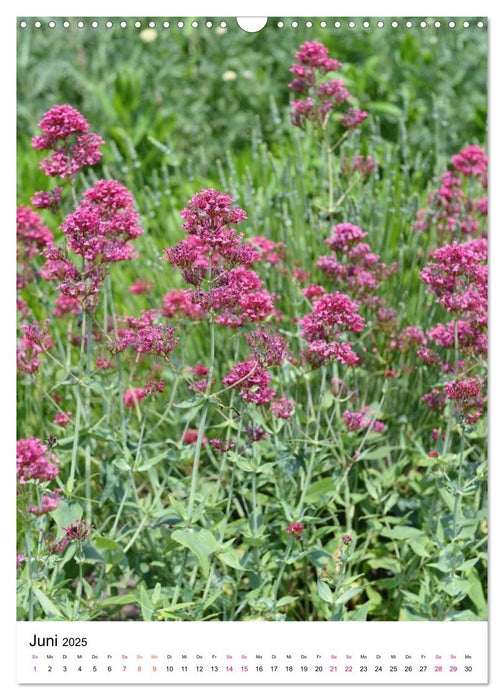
column 317, row 98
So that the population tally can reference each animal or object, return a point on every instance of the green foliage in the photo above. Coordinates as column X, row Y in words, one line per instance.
column 173, row 123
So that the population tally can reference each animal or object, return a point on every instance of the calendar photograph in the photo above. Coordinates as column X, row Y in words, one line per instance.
column 251, row 321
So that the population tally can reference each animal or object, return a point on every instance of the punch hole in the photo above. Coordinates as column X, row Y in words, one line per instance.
column 109, row 24
column 166, row 24
column 394, row 24
column 209, row 25
column 309, row 24
column 366, row 24
column 138, row 24
column 152, row 25
column 380, row 24
column 423, row 24
column 294, row 25
column 280, row 24
column 409, row 24
column 480, row 24
column 23, row 25
column 351, row 25
column 451, row 25
column 323, row 25
column 337, row 25
column 194, row 25
column 38, row 24
column 51, row 24
column 465, row 24
column 252, row 24
column 123, row 25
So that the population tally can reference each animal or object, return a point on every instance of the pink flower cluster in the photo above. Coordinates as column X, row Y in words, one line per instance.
column 468, row 393
column 104, row 223
column 34, row 342
column 33, row 462
column 143, row 336
column 78, row 530
column 295, row 529
column 458, row 275
column 215, row 261
column 318, row 95
column 283, row 407
column 100, row 231
column 353, row 263
column 323, row 329
column 363, row 418
column 33, row 236
column 47, row 200
column 451, row 210
column 364, row 166
column 66, row 133
column 177, row 304
column 49, row 503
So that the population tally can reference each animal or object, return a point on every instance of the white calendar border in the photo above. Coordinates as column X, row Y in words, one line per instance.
column 7, row 193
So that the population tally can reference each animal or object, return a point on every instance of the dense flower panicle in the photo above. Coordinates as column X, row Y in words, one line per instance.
column 208, row 216
column 177, row 303
column 409, row 337
column 471, row 161
column 353, row 118
column 143, row 336
column 190, row 437
column 344, row 237
column 295, row 529
column 269, row 251
column 33, row 236
column 256, row 434
column 33, row 461
column 317, row 95
column 457, row 275
column 313, row 291
column 47, row 200
column 363, row 418
column 364, row 166
column 133, row 396
column 283, row 407
column 35, row 341
column 78, row 530
column 154, row 386
column 63, row 419
column 450, row 209
column 66, row 305
column 332, row 314
column 141, row 286
column 353, row 263
column 55, row 546
column 252, row 381
column 435, row 400
column 472, row 335
column 221, row 445
column 468, row 392
column 104, row 223
column 66, row 133
column 49, row 503
column 269, row 350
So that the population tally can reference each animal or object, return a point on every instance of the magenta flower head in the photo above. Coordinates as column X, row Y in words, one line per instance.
column 49, row 503
column 317, row 96
column 295, row 529
column 78, row 530
column 346, row 539
column 66, row 133
column 104, row 223
column 34, row 462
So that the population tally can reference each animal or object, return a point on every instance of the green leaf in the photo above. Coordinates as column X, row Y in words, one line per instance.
column 386, row 108
column 121, row 464
column 146, row 606
column 105, row 543
column 456, row 586
column 48, row 606
column 124, row 599
column 150, row 462
column 231, row 558
column 320, row 488
column 361, row 613
column 319, row 557
column 324, row 591
column 201, row 543
column 348, row 595
column 66, row 513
